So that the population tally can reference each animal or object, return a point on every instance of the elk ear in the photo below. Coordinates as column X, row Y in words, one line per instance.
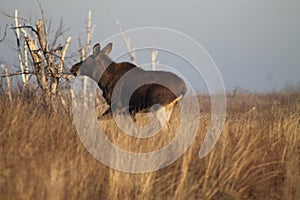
column 107, row 49
column 96, row 49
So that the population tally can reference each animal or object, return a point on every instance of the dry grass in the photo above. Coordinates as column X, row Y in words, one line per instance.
column 257, row 156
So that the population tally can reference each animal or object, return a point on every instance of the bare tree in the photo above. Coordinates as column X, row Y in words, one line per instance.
column 47, row 57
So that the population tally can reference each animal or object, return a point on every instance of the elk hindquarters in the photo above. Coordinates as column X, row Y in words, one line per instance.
column 158, row 94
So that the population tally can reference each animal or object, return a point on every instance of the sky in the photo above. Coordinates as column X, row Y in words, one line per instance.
column 255, row 44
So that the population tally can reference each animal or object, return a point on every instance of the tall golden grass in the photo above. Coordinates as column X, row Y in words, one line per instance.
column 256, row 157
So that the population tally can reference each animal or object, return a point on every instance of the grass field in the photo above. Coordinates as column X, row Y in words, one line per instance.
column 256, row 157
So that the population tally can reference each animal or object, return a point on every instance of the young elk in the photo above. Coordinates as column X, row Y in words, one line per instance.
column 148, row 88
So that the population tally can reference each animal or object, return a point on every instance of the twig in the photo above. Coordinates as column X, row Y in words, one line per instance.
column 4, row 34
column 30, row 27
column 15, row 74
column 59, row 32
column 67, row 75
column 51, row 53
column 127, row 42
column 12, row 16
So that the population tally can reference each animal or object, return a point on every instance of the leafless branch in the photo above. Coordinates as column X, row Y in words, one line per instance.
column 59, row 32
column 89, row 33
column 53, row 54
column 65, row 48
column 12, row 16
column 127, row 42
column 49, row 25
column 43, row 18
column 19, row 47
column 30, row 27
column 41, row 36
column 4, row 34
column 25, row 57
column 16, row 74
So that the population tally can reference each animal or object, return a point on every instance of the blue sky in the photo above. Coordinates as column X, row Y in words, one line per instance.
column 255, row 44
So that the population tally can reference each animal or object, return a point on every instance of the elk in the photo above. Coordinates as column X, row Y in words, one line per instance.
column 161, row 88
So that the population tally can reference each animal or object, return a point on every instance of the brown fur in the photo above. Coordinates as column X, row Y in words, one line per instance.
column 100, row 67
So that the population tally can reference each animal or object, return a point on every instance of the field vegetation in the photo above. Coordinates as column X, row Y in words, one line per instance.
column 256, row 157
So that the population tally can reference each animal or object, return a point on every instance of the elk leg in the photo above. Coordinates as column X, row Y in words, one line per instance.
column 164, row 114
column 132, row 114
column 106, row 115
column 169, row 108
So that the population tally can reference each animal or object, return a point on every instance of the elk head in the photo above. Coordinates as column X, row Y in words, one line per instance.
column 94, row 65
